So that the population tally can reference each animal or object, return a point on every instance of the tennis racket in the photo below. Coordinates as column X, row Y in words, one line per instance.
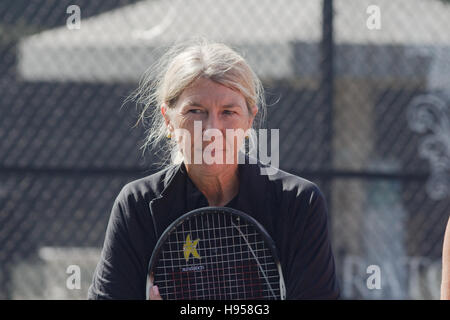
column 216, row 253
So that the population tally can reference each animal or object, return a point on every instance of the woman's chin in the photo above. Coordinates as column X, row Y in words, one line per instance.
column 212, row 159
column 217, row 165
column 212, row 168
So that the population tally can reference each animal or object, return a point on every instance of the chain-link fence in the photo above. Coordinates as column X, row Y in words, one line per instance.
column 359, row 89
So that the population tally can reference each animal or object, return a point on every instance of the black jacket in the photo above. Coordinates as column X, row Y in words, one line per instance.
column 291, row 209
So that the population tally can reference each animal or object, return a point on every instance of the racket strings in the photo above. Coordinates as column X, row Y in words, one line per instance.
column 232, row 262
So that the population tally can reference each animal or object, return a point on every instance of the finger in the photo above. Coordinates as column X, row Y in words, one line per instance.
column 154, row 293
column 150, row 287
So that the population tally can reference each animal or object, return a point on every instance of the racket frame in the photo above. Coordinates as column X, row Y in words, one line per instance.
column 206, row 210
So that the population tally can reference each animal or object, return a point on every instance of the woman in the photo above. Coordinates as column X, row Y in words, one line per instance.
column 209, row 88
column 445, row 284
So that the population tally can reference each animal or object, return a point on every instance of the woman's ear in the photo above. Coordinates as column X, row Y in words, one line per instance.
column 164, row 109
column 253, row 112
column 165, row 113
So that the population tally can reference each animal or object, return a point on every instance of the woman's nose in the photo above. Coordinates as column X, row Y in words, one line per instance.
column 213, row 128
column 213, row 122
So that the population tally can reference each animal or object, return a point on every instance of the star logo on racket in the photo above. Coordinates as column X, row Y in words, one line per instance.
column 190, row 247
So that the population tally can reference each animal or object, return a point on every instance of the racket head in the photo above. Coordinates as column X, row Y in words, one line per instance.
column 215, row 253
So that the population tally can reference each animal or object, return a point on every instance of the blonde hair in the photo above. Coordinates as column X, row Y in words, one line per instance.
column 178, row 68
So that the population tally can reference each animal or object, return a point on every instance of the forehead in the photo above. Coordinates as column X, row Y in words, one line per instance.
column 208, row 92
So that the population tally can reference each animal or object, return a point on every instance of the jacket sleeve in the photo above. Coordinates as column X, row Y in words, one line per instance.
column 311, row 266
column 122, row 270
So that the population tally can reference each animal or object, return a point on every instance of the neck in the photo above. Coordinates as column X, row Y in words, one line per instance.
column 218, row 188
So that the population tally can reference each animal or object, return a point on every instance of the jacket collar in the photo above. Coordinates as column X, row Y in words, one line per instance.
column 253, row 197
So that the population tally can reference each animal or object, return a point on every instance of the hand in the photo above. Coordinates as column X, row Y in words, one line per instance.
column 154, row 292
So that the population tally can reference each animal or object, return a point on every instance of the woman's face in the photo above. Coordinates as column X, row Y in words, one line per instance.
column 215, row 118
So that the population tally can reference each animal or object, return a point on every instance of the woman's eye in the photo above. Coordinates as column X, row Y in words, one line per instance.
column 228, row 112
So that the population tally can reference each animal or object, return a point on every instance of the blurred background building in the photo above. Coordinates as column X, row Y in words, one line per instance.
column 360, row 90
